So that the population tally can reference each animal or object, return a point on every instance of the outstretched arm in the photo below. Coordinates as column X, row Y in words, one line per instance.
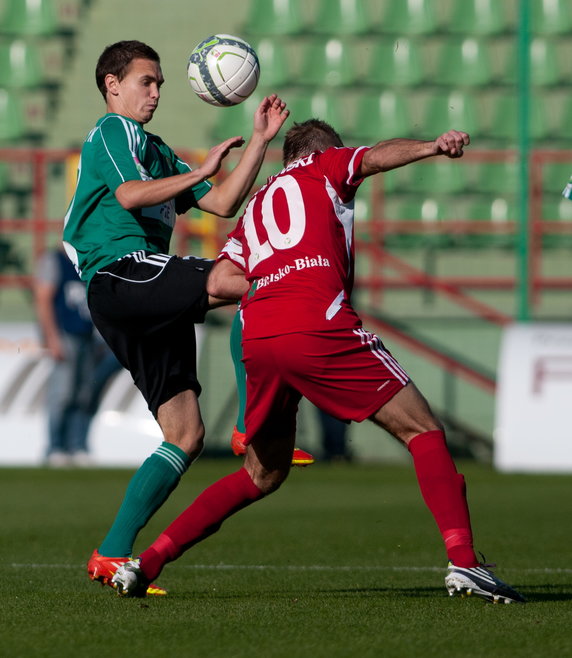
column 225, row 199
column 144, row 193
column 394, row 153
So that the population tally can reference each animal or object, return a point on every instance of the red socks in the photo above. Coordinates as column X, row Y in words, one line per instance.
column 444, row 492
column 201, row 519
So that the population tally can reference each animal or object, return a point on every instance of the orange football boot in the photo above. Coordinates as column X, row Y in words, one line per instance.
column 103, row 568
column 299, row 457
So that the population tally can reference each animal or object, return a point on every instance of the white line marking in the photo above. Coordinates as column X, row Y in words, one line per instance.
column 314, row 567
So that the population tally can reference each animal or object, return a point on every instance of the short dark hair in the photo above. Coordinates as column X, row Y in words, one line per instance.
column 306, row 137
column 117, row 57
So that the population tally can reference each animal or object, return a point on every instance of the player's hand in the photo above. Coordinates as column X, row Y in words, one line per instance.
column 451, row 143
column 270, row 116
column 217, row 154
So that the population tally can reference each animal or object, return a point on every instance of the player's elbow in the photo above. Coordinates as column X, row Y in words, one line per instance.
column 124, row 197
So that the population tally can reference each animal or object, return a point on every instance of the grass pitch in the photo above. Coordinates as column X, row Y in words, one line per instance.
column 343, row 561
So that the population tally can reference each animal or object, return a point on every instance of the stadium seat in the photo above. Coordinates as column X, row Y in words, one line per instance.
column 456, row 110
column 497, row 178
column 274, row 68
column 555, row 176
column 426, row 213
column 545, row 68
column 319, row 105
column 29, row 18
column 505, row 118
column 398, row 62
column 557, row 211
column 327, row 63
column 551, row 17
column 499, row 215
column 341, row 17
column 381, row 116
column 20, row 65
column 478, row 18
column 442, row 176
column 12, row 126
column 410, row 17
column 235, row 120
column 464, row 63
column 273, row 17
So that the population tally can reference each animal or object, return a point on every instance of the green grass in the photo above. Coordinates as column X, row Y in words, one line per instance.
column 342, row 561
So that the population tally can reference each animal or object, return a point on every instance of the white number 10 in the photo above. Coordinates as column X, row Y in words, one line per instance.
column 276, row 239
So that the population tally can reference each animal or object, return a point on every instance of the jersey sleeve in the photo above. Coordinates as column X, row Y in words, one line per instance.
column 340, row 165
column 233, row 250
column 117, row 156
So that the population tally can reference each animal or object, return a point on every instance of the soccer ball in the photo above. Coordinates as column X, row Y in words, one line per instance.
column 223, row 70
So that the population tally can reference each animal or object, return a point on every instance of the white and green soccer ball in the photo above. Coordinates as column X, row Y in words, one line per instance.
column 223, row 70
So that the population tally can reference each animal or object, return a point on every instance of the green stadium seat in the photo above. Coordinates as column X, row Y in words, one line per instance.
column 274, row 68
column 398, row 62
column 456, row 110
column 557, row 210
column 381, row 116
column 12, row 126
column 29, row 18
column 410, row 17
column 497, row 178
column 319, row 105
column 500, row 214
column 341, row 17
column 478, row 18
column 551, row 17
column 505, row 122
column 274, row 17
column 545, row 68
column 426, row 213
column 20, row 65
column 464, row 63
column 236, row 120
column 439, row 177
column 555, row 176
column 328, row 64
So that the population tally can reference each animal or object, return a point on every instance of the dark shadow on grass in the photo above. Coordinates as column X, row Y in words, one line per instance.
column 544, row 593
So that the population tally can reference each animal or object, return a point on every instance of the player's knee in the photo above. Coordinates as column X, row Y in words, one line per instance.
column 269, row 481
column 190, row 441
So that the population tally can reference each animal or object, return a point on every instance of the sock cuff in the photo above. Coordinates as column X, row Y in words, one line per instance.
column 424, row 443
column 174, row 456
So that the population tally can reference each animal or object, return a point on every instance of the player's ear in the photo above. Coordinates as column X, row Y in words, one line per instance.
column 112, row 84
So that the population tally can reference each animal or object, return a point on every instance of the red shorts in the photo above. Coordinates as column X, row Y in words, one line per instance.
column 348, row 374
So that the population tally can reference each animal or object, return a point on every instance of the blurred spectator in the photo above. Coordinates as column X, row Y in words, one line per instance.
column 82, row 363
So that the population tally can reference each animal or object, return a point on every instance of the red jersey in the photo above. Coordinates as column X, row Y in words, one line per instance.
column 295, row 240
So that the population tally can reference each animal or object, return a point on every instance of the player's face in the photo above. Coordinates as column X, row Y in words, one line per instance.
column 137, row 95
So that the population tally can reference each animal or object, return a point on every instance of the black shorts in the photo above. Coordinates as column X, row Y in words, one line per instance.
column 145, row 306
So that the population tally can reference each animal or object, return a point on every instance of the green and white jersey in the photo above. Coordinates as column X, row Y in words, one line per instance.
column 98, row 230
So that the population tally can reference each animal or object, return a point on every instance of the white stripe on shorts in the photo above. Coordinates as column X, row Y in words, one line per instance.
column 377, row 349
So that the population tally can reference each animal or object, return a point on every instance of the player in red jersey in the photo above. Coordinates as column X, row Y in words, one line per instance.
column 302, row 337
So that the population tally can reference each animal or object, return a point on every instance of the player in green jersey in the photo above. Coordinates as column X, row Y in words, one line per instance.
column 130, row 188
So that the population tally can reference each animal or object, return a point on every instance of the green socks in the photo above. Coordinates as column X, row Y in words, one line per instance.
column 240, row 372
column 148, row 490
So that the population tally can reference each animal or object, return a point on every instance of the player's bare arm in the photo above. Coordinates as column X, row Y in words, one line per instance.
column 226, row 283
column 225, row 199
column 143, row 193
column 397, row 152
